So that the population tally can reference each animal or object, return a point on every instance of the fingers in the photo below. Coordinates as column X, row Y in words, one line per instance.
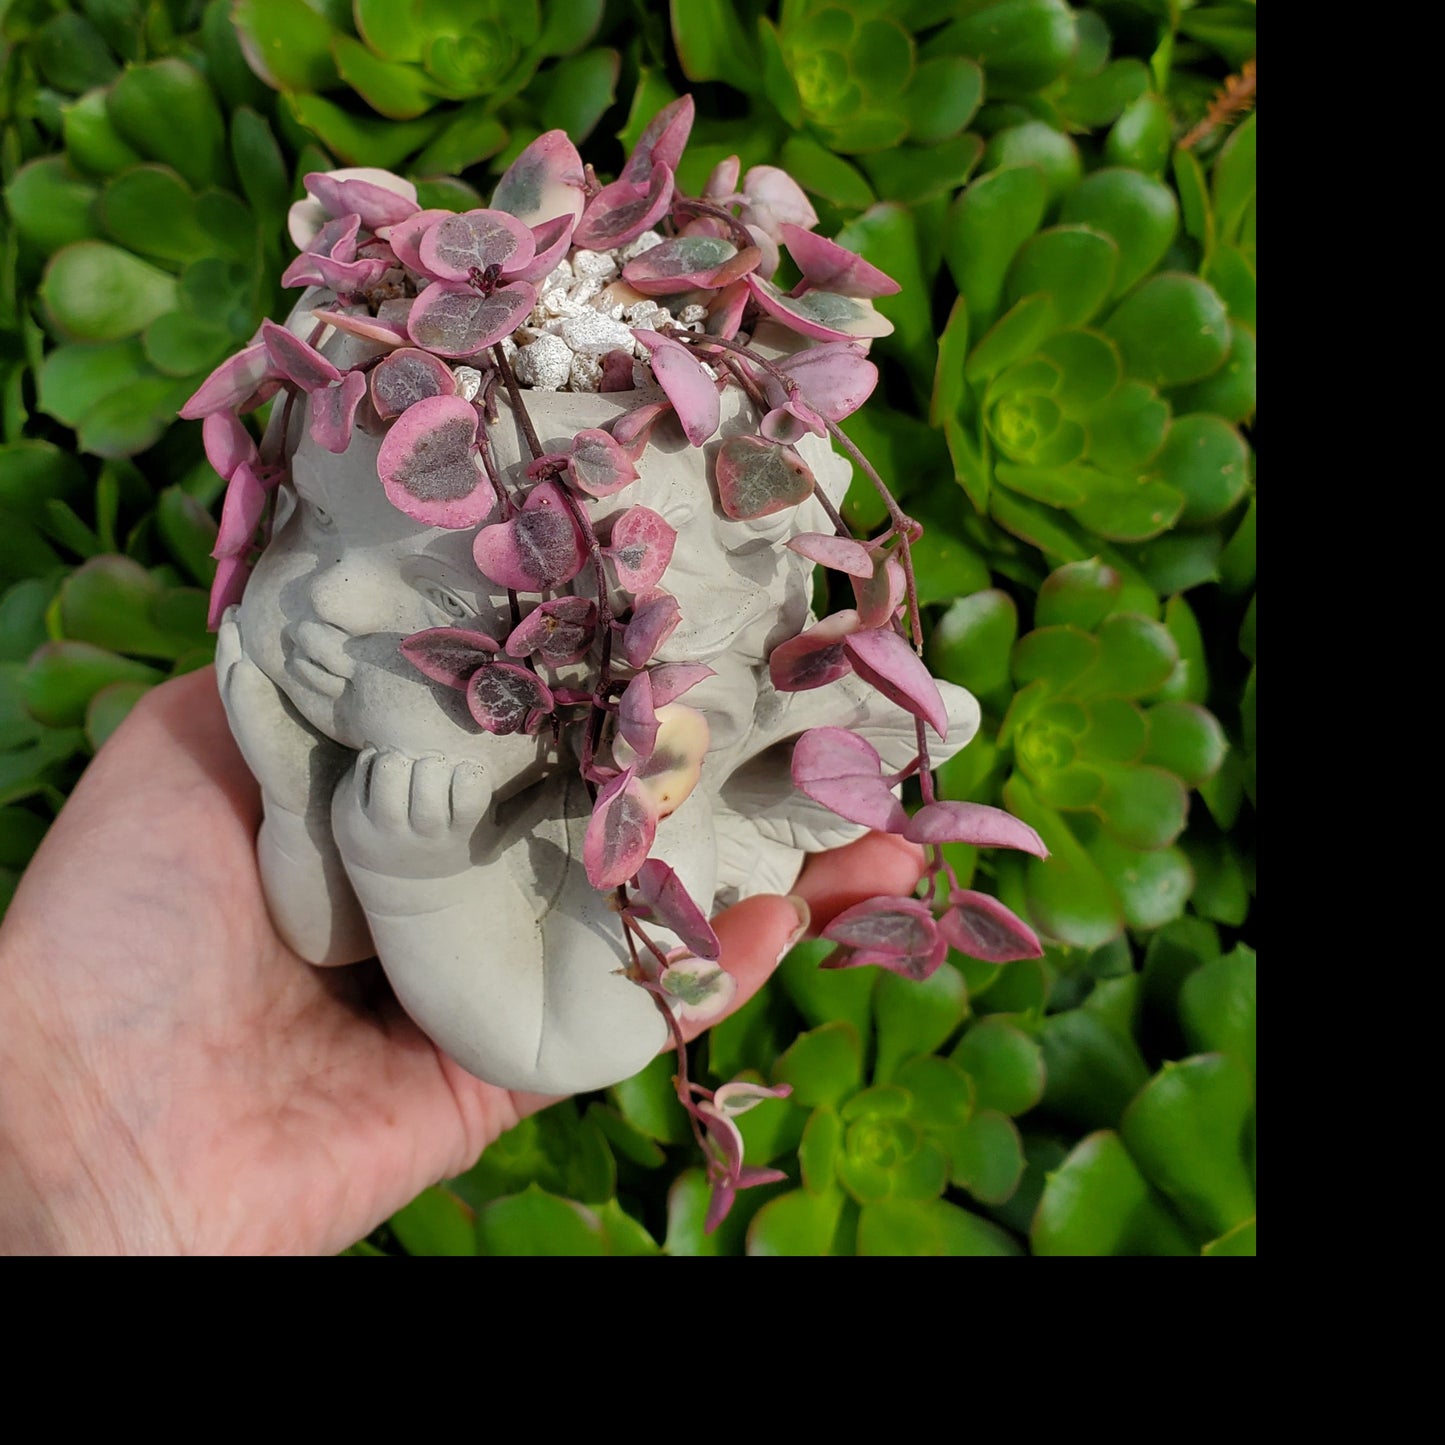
column 877, row 865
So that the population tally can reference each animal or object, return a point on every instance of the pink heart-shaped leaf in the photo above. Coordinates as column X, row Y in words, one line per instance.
column 654, row 619
column 429, row 466
column 772, row 199
column 448, row 655
column 366, row 326
column 697, row 990
column 898, row 934
column 640, row 548
column 879, row 596
column 336, row 239
column 637, row 717
column 544, row 182
column 620, row 833
column 240, row 383
column 789, row 424
column 725, row 310
column 598, row 465
column 503, row 697
column 823, row 315
column 616, row 371
column 556, row 632
column 552, row 240
column 621, row 212
column 662, row 142
column 405, row 236
column 375, row 205
column 739, row 1096
column 884, row 659
column 241, row 514
column 672, row 679
column 756, row 478
column 345, row 278
column 834, row 378
column 452, row 319
column 842, row 554
column 816, row 657
column 227, row 443
column 689, row 263
column 844, row 773
column 689, row 388
column 632, row 431
column 722, row 183
column 227, row 588
column 295, row 360
column 333, row 410
column 536, row 550
column 407, row 376
column 456, row 246
column 982, row 927
column 975, row 823
column 832, row 267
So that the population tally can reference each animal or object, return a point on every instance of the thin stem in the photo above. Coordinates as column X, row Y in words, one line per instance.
column 509, row 380
column 741, row 236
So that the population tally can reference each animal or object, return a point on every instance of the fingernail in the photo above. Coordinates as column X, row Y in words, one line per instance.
column 805, row 917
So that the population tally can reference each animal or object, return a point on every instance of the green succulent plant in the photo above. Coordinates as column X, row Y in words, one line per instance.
column 430, row 87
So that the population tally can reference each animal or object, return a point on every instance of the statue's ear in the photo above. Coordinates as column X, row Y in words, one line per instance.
column 762, row 789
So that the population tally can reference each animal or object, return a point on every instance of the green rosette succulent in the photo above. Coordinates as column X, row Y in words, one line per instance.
column 1169, row 1167
column 149, row 236
column 430, row 87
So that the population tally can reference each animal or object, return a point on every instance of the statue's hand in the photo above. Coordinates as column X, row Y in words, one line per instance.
column 406, row 817
column 295, row 765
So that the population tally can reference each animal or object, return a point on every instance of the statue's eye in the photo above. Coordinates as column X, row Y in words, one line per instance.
column 322, row 518
column 440, row 598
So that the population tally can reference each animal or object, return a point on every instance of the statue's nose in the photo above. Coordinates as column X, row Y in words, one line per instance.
column 348, row 595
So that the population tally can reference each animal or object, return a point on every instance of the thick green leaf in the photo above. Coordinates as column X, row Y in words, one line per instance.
column 942, row 1094
column 1128, row 511
column 986, row 1157
column 131, row 418
column 1023, row 44
column 1206, row 459
column 825, row 995
column 1079, row 594
column 1072, row 264
column 1172, row 330
column 1230, row 391
column 1222, row 881
column 1217, row 1006
column 579, row 91
column 1140, row 137
column 72, row 55
column 648, row 1102
column 798, row 1224
column 1186, row 739
column 97, row 292
column 1092, row 1071
column 913, row 174
column 824, row 174
column 1068, row 897
column 536, row 1223
column 35, row 473
column 291, row 43
column 92, row 143
column 819, row 1150
column 167, row 112
column 1139, row 212
column 260, row 166
column 62, row 677
column 1098, row 1203
column 713, row 43
column 397, row 91
column 1128, row 429
column 942, row 99
column 824, row 1066
column 471, row 134
column 972, row 642
column 915, row 1018
column 1005, row 1064
column 1014, row 336
column 150, row 209
column 357, row 140
column 1152, row 885
column 1186, row 1132
column 112, row 602
column 886, row 236
column 1136, row 655
column 1194, row 199
column 436, row 1223
column 986, row 227
column 931, row 1228
column 50, row 205
column 1239, row 1241
column 1094, row 101
column 1234, row 180
column 1036, row 143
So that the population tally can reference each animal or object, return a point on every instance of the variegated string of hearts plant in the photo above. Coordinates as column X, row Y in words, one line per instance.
column 564, row 283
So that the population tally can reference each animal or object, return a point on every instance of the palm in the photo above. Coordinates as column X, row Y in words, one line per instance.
column 249, row 1102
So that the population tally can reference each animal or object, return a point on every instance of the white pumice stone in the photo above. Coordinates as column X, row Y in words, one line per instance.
column 469, row 381
column 645, row 242
column 598, row 264
column 560, row 275
column 586, row 373
column 545, row 363
column 591, row 331
column 585, row 289
column 690, row 314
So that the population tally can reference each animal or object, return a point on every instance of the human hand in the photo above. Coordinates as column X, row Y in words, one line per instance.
column 174, row 1079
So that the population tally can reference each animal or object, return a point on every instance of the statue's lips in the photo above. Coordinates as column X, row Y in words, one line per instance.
column 315, row 655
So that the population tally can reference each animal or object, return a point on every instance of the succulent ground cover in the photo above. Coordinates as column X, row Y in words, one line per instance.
column 1065, row 402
